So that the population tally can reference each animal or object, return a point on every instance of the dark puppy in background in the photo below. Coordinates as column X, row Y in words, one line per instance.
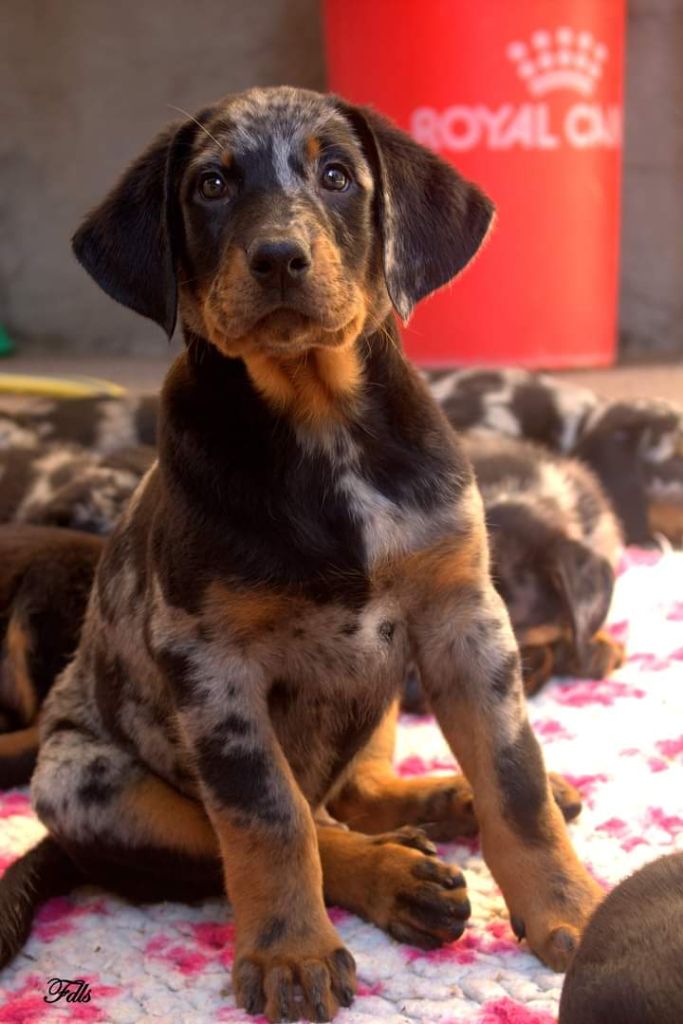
column 311, row 524
column 628, row 969
column 45, row 580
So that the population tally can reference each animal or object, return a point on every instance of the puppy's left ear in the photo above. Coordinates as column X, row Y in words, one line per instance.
column 432, row 221
column 585, row 582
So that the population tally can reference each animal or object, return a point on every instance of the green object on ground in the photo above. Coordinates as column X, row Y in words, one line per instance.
column 6, row 343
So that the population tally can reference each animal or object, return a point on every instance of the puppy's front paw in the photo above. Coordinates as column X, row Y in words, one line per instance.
column 567, row 797
column 306, row 977
column 555, row 921
column 604, row 656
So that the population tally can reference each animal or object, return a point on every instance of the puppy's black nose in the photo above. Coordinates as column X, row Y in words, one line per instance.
column 280, row 263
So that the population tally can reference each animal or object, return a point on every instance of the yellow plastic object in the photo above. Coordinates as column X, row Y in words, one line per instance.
column 58, row 387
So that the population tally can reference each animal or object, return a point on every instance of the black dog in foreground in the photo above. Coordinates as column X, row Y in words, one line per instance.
column 312, row 523
column 628, row 967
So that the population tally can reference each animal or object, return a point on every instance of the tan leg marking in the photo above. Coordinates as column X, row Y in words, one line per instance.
column 18, row 686
column 23, row 741
column 549, row 893
column 165, row 818
column 667, row 518
column 284, row 936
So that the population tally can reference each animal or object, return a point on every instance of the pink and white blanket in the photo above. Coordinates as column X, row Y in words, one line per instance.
column 620, row 741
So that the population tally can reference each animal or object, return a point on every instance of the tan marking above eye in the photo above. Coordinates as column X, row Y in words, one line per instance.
column 313, row 148
column 226, row 158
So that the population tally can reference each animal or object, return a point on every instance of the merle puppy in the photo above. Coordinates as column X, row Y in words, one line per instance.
column 312, row 523
column 555, row 542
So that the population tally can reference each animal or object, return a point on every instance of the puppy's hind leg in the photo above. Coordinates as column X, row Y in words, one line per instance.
column 374, row 799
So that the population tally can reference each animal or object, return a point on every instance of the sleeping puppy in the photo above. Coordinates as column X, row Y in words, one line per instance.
column 554, row 543
column 634, row 446
column 102, row 424
column 45, row 579
column 628, row 966
column 68, row 486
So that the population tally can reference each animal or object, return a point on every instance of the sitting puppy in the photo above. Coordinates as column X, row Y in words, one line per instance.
column 312, row 522
column 628, row 967
column 45, row 579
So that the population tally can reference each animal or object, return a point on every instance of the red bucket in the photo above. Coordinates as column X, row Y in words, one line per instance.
column 525, row 97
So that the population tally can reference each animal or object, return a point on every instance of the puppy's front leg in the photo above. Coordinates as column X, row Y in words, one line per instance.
column 284, row 940
column 470, row 668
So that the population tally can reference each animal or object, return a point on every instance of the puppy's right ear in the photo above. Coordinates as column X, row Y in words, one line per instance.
column 128, row 243
column 585, row 582
column 431, row 220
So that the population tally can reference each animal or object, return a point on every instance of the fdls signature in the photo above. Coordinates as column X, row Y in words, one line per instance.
column 71, row 991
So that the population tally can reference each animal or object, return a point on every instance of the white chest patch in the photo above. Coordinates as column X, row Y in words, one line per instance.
column 387, row 529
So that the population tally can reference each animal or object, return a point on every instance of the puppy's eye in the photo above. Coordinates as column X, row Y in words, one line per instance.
column 335, row 178
column 212, row 185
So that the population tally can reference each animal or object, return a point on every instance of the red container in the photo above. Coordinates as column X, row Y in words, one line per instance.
column 525, row 97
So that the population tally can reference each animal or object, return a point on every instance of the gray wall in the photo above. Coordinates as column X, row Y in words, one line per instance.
column 85, row 83
column 651, row 311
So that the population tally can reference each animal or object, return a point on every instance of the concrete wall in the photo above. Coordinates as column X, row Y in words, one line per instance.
column 651, row 310
column 85, row 83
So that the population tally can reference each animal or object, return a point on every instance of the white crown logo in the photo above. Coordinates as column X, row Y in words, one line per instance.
column 563, row 59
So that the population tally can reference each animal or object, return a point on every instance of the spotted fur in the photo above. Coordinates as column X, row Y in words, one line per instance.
column 53, row 484
column 254, row 611
column 634, row 446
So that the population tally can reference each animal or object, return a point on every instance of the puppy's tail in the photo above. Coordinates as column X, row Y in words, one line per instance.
column 42, row 872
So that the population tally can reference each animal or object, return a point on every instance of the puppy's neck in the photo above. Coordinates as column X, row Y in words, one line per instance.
column 318, row 387
column 321, row 387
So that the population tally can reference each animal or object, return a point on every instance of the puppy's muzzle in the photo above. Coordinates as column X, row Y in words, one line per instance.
column 279, row 264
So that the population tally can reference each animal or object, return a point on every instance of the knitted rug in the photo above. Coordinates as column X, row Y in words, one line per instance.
column 620, row 741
